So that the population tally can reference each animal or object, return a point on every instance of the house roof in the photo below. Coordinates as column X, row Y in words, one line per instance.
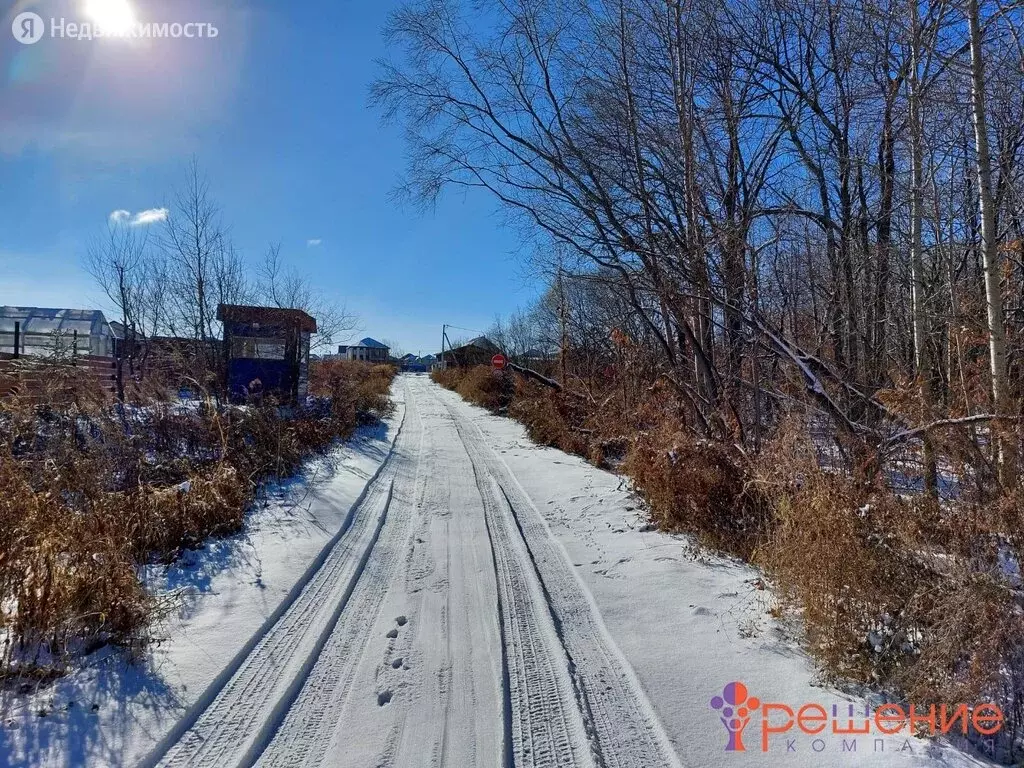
column 480, row 342
column 372, row 343
column 267, row 316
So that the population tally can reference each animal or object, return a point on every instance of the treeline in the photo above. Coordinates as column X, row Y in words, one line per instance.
column 784, row 251
column 822, row 194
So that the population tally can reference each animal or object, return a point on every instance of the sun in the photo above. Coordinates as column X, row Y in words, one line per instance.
column 113, row 16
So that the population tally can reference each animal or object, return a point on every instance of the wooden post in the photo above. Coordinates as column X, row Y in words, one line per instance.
column 17, row 337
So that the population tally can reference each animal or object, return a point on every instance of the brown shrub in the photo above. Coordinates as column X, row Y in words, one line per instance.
column 698, row 487
column 480, row 385
column 358, row 390
column 893, row 589
column 551, row 418
column 448, row 378
column 896, row 590
column 88, row 494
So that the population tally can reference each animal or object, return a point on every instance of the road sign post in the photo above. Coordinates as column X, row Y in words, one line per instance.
column 499, row 362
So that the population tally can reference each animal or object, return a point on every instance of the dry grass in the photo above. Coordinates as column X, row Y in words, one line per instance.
column 357, row 390
column 893, row 589
column 897, row 590
column 698, row 487
column 479, row 385
column 89, row 492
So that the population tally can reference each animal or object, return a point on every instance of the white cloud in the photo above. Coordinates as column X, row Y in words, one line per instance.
column 140, row 219
column 150, row 216
column 313, row 243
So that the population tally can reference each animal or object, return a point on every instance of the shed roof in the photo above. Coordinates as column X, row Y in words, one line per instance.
column 236, row 313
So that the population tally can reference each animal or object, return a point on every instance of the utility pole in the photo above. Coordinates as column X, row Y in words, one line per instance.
column 444, row 335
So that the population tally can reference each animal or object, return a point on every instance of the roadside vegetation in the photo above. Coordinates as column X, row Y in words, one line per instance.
column 91, row 490
column 105, row 470
column 911, row 594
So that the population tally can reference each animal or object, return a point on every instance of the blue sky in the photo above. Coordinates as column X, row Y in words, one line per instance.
column 275, row 109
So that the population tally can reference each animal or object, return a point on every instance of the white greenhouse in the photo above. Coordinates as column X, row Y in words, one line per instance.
column 44, row 332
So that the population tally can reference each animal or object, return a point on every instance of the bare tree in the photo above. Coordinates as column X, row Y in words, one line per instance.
column 130, row 273
column 762, row 186
column 990, row 241
column 282, row 286
column 203, row 267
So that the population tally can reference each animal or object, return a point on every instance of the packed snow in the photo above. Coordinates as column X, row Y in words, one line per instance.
column 445, row 592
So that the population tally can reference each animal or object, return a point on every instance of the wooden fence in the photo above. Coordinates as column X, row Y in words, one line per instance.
column 35, row 379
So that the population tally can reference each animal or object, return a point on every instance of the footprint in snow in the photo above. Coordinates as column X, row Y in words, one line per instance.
column 384, row 697
column 401, row 621
column 397, row 663
column 392, row 634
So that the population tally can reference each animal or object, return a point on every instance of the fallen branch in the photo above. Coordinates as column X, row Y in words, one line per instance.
column 909, row 434
column 531, row 374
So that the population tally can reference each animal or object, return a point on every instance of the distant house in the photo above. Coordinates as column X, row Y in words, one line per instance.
column 479, row 351
column 267, row 351
column 43, row 332
column 410, row 363
column 368, row 349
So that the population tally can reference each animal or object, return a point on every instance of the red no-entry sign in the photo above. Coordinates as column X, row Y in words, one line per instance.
column 499, row 362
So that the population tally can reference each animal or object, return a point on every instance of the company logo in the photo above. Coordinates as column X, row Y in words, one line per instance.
column 842, row 723
column 734, row 708
column 28, row 28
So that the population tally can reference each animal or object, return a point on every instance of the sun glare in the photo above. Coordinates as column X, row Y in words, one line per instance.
column 114, row 16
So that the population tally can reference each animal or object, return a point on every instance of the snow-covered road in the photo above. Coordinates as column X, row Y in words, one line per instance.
column 444, row 592
column 446, row 626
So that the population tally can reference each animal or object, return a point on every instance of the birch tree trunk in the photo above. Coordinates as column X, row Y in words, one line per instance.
column 1007, row 453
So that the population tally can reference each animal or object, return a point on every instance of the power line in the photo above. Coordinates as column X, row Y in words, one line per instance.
column 457, row 328
column 445, row 340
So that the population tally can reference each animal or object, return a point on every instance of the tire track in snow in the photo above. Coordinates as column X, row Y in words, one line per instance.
column 565, row 695
column 543, row 725
column 451, row 713
column 233, row 715
column 542, row 722
column 305, row 733
column 625, row 730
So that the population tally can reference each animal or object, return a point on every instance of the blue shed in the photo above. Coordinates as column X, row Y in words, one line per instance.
column 266, row 350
